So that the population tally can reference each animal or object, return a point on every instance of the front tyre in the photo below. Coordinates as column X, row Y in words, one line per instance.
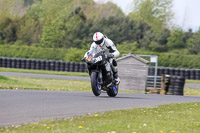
column 96, row 87
column 114, row 91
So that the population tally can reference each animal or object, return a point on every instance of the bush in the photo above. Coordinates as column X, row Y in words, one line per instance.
column 166, row 59
column 16, row 51
column 75, row 55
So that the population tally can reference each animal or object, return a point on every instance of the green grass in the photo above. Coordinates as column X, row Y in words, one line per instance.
column 43, row 84
column 43, row 72
column 191, row 92
column 61, row 84
column 174, row 118
column 193, row 81
column 47, row 84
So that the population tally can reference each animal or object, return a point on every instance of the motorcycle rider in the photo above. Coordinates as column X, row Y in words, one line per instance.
column 111, row 52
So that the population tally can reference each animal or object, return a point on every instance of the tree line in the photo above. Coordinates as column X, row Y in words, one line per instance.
column 71, row 24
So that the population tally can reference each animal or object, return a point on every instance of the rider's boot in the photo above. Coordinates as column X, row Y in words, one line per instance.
column 115, row 74
column 117, row 79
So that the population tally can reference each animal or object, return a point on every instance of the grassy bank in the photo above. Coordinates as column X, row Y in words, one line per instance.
column 175, row 118
column 47, row 84
column 43, row 84
column 191, row 92
column 60, row 84
column 43, row 72
column 193, row 81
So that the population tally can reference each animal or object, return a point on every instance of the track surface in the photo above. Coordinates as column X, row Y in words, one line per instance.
column 24, row 106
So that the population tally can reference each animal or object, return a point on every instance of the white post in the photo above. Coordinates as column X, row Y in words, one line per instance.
column 154, row 59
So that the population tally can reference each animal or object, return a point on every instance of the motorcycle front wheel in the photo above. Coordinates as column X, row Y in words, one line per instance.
column 96, row 87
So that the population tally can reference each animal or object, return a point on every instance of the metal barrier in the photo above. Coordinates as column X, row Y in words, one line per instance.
column 150, row 81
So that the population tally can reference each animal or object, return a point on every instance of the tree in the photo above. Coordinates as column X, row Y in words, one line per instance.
column 157, row 13
column 8, row 28
column 119, row 29
column 175, row 41
column 194, row 43
column 187, row 35
column 160, row 42
column 98, row 11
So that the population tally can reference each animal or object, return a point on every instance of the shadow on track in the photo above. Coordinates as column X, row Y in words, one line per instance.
column 118, row 97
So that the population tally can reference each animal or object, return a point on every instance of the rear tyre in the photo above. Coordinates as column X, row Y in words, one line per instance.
column 114, row 91
column 96, row 88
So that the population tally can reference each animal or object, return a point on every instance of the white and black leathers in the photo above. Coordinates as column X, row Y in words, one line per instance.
column 109, row 48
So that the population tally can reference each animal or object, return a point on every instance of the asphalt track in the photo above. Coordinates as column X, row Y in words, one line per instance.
column 25, row 106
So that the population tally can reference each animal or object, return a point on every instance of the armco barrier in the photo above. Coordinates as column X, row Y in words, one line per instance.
column 42, row 64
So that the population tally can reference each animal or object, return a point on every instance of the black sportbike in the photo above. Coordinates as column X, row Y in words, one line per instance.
column 100, row 71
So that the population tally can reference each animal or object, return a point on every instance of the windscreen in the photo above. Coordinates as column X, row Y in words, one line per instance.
column 95, row 50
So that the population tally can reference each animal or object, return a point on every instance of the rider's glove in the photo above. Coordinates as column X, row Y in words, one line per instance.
column 109, row 55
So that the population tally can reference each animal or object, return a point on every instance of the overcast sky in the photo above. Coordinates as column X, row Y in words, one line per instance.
column 187, row 12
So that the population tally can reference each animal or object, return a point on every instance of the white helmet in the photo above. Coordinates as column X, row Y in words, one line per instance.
column 98, row 38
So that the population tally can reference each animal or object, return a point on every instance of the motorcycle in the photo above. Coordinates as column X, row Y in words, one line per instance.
column 100, row 71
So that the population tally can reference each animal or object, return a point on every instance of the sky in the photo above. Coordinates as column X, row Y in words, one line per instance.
column 186, row 12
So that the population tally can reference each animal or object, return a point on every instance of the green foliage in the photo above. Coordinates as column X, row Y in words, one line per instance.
column 59, row 29
column 74, row 55
column 154, row 46
column 175, row 41
column 53, row 33
column 28, row 2
column 165, row 59
column 17, row 51
column 159, row 44
column 8, row 28
column 127, row 47
column 20, row 42
column 155, row 12
column 194, row 43
column 3, row 78
column 99, row 11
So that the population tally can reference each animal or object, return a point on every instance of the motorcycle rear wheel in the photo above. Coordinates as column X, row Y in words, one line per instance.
column 96, row 88
column 113, row 91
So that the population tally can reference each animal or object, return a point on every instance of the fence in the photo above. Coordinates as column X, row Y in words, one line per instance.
column 150, row 81
column 51, row 65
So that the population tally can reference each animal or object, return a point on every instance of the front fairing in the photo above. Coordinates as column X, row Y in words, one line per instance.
column 95, row 56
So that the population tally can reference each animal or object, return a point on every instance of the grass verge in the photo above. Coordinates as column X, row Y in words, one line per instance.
column 191, row 92
column 62, row 85
column 47, row 84
column 43, row 72
column 174, row 118
column 193, row 81
column 43, row 84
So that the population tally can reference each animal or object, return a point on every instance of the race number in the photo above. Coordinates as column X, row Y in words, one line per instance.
column 98, row 59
